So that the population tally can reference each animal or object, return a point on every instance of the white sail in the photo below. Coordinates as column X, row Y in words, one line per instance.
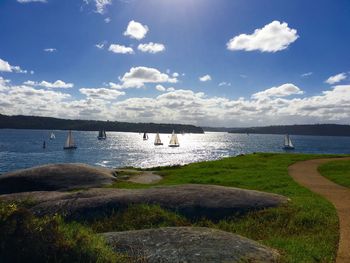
column 69, row 141
column 288, row 142
column 157, row 139
column 173, row 139
column 52, row 136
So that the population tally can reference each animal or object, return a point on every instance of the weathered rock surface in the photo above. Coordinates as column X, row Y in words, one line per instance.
column 55, row 177
column 193, row 201
column 189, row 244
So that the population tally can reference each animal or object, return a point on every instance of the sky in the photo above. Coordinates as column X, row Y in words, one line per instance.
column 228, row 63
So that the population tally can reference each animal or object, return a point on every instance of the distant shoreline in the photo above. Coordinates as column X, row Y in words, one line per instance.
column 49, row 123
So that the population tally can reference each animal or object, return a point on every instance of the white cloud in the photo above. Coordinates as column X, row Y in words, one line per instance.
column 107, row 20
column 280, row 91
column 101, row 93
column 50, row 50
column 101, row 5
column 170, row 89
column 336, row 78
column 175, row 74
column 160, row 88
column 137, row 77
column 307, row 74
column 100, row 45
column 181, row 105
column 31, row 1
column 224, row 83
column 115, row 48
column 136, row 30
column 46, row 84
column 151, row 47
column 205, row 78
column 272, row 37
column 6, row 67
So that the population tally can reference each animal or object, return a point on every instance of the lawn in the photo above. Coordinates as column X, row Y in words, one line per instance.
column 337, row 171
column 305, row 230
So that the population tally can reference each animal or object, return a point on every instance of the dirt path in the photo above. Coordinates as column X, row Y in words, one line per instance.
column 306, row 174
column 147, row 177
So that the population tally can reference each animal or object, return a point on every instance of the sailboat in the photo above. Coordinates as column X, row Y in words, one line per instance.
column 157, row 140
column 102, row 135
column 52, row 136
column 174, row 142
column 288, row 145
column 70, row 145
column 145, row 136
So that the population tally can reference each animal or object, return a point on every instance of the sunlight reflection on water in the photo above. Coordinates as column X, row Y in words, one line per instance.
column 23, row 148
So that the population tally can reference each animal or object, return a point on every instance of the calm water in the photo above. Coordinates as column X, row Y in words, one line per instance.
column 23, row 148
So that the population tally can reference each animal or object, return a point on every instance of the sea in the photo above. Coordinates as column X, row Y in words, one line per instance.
column 24, row 148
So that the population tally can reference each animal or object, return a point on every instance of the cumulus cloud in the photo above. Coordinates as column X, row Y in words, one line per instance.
column 107, row 20
column 160, row 88
column 6, row 67
column 137, row 77
column 51, row 85
column 273, row 37
column 336, row 78
column 50, row 50
column 115, row 48
column 280, row 91
column 31, row 1
column 181, row 105
column 205, row 78
column 101, row 93
column 136, row 30
column 101, row 5
column 151, row 47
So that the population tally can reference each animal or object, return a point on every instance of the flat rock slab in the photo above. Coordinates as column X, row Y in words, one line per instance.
column 193, row 201
column 55, row 177
column 189, row 244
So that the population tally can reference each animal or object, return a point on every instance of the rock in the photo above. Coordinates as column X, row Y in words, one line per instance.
column 55, row 177
column 189, row 244
column 193, row 201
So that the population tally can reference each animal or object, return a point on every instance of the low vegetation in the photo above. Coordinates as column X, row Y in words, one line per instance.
column 337, row 171
column 304, row 230
column 26, row 238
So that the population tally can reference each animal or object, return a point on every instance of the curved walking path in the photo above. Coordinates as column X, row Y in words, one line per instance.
column 306, row 174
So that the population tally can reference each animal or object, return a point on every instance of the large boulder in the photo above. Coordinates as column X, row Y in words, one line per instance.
column 55, row 177
column 193, row 201
column 189, row 244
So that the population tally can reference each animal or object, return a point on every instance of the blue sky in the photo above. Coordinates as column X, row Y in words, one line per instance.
column 205, row 62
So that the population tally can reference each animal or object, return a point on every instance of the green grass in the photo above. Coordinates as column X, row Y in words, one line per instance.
column 337, row 171
column 26, row 238
column 305, row 230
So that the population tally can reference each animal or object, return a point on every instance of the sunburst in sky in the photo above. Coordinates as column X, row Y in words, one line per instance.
column 204, row 62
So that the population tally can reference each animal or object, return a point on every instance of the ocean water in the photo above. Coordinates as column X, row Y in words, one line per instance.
column 23, row 148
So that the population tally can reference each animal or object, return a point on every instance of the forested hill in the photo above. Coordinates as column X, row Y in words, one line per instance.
column 310, row 129
column 47, row 123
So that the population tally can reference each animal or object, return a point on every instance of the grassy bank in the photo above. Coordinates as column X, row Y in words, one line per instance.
column 337, row 171
column 306, row 230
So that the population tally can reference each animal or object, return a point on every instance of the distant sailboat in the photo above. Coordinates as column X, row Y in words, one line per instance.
column 70, row 142
column 288, row 145
column 52, row 136
column 102, row 135
column 145, row 136
column 174, row 142
column 157, row 140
